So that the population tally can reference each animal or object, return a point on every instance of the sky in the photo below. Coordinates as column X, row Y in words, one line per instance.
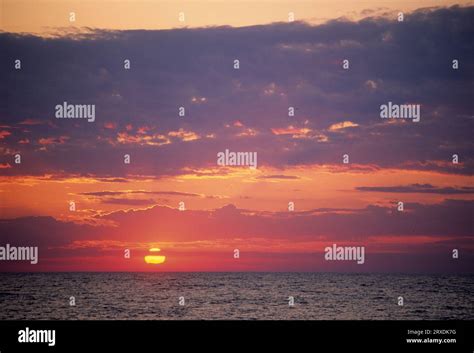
column 282, row 64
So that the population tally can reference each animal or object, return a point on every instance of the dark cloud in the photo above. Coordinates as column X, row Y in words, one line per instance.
column 106, row 196
column 451, row 218
column 281, row 65
column 45, row 231
column 419, row 188
column 448, row 224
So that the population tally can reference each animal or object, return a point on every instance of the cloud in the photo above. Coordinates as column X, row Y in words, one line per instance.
column 141, row 140
column 130, row 202
column 127, row 192
column 281, row 65
column 53, row 140
column 342, row 125
column 4, row 134
column 291, row 130
column 451, row 218
column 189, row 233
column 184, row 135
column 281, row 177
column 419, row 188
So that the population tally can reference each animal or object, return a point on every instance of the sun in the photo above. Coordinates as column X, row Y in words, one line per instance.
column 155, row 259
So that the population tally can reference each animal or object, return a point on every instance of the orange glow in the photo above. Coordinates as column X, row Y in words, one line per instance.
column 42, row 17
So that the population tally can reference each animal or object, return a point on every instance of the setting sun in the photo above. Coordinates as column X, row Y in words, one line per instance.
column 155, row 259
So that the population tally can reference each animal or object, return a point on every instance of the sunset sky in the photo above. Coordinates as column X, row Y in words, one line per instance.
column 173, row 159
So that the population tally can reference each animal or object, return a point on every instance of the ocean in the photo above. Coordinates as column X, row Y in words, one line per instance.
column 234, row 296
